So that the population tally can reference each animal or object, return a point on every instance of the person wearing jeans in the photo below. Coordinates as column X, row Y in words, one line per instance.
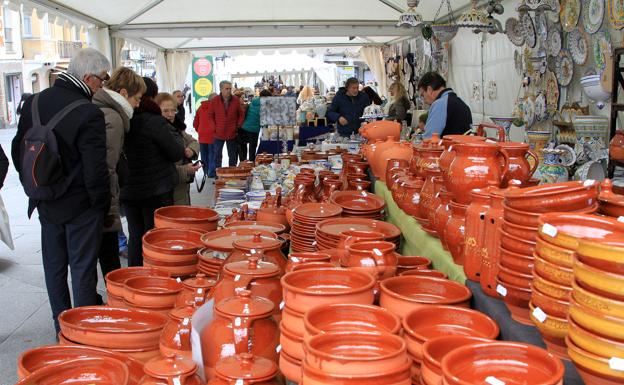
column 226, row 116
column 206, row 133
column 248, row 134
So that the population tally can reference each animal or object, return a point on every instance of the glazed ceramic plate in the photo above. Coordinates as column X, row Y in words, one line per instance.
column 568, row 157
column 540, row 107
column 616, row 13
column 553, row 15
column 593, row 14
column 578, row 45
column 602, row 50
column 514, row 31
column 570, row 13
column 529, row 111
column 333, row 227
column 530, row 35
column 358, row 201
column 541, row 28
column 317, row 210
column 553, row 43
column 565, row 68
column 552, row 91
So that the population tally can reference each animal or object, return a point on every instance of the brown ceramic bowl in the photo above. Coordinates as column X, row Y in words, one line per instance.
column 435, row 349
column 413, row 262
column 100, row 370
column 554, row 254
column 273, row 227
column 114, row 328
column 290, row 367
column 604, row 255
column 186, row 217
column 395, row 375
column 223, row 240
column 116, row 279
column 594, row 369
column 523, row 232
column 550, row 305
column 517, row 245
column 530, row 219
column 555, row 273
column 550, row 197
column 514, row 277
column 601, row 282
column 293, row 320
column 178, row 246
column 595, row 321
column 551, row 289
column 517, row 262
column 401, row 294
column 141, row 355
column 291, row 343
column 523, row 364
column 565, row 229
column 152, row 291
column 425, row 273
column 593, row 343
column 597, row 302
column 174, row 270
column 516, row 299
column 314, row 266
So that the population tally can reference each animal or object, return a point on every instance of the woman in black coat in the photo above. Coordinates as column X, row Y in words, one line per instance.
column 152, row 149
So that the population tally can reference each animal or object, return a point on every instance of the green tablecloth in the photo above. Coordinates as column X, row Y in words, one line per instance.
column 417, row 242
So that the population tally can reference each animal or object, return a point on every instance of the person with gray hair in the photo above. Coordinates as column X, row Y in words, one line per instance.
column 71, row 219
column 225, row 116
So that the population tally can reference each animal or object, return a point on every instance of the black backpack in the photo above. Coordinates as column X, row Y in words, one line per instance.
column 41, row 169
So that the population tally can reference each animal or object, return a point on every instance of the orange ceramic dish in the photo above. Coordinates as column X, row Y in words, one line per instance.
column 186, row 217
column 550, row 288
column 435, row 349
column 554, row 254
column 293, row 320
column 273, row 227
column 114, row 328
column 425, row 272
column 393, row 376
column 115, row 279
column 178, row 246
column 565, row 229
column 223, row 240
column 594, row 343
column 603, row 255
column 601, row 282
column 290, row 367
column 152, row 291
column 80, row 371
column 292, row 344
column 565, row 196
column 593, row 368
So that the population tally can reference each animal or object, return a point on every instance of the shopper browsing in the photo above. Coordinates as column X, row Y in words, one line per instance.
column 347, row 108
column 226, row 116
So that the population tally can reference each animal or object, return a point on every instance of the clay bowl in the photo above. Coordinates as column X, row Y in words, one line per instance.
column 333, row 227
column 517, row 262
column 612, row 205
column 554, row 254
column 406, row 262
column 290, row 367
column 349, row 317
column 401, row 294
column 603, row 255
column 593, row 343
column 554, row 273
column 174, row 270
column 530, row 219
column 115, row 279
column 509, row 362
column 593, row 369
column 164, row 310
column 435, row 349
column 113, row 300
column 359, row 201
column 295, row 259
column 598, row 281
column 186, row 217
column 516, row 299
column 304, row 289
column 222, row 240
column 550, row 305
column 141, row 355
column 44, row 356
column 596, row 322
column 551, row 289
column 553, row 330
column 114, row 328
column 293, row 320
column 517, row 245
column 514, row 277
column 152, row 291
column 425, row 273
column 425, row 323
column 522, row 232
column 291, row 343
column 355, row 353
column 565, row 229
column 566, row 196
column 399, row 375
column 81, row 371
column 273, row 227
column 314, row 266
column 597, row 302
column 172, row 245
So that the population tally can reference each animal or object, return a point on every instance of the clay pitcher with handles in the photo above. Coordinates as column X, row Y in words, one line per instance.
column 518, row 166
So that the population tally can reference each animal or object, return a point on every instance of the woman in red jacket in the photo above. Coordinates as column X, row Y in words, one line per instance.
column 206, row 137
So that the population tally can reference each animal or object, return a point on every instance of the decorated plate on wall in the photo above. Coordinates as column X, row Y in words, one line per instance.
column 552, row 92
column 529, row 30
column 578, row 45
column 529, row 111
column 553, row 15
column 541, row 28
column 565, row 68
column 602, row 50
column 553, row 46
column 540, row 107
column 570, row 13
column 593, row 14
column 616, row 13
column 514, row 31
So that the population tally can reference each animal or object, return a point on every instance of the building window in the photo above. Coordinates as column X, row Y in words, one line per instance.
column 8, row 30
column 27, row 21
column 46, row 26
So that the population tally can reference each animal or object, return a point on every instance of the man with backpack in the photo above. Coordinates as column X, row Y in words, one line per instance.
column 60, row 153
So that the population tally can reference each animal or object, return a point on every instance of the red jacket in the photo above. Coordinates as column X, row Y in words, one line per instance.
column 202, row 123
column 225, row 123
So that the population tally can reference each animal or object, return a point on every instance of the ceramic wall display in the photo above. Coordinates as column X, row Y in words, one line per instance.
column 552, row 91
column 514, row 31
column 529, row 111
column 541, row 110
column 593, row 14
column 578, row 45
column 569, row 14
column 553, row 44
column 553, row 16
column 616, row 14
column 552, row 171
column 541, row 28
column 564, row 68
column 602, row 50
column 530, row 34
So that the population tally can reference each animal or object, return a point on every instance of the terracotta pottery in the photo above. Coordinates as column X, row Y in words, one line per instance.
column 408, row 262
column 564, row 196
column 518, row 262
column 595, row 321
column 295, row 259
column 80, row 371
column 552, row 272
column 611, row 204
column 515, row 244
column 475, row 235
column 427, row 155
column 522, row 232
column 142, row 355
column 291, row 343
column 554, row 254
column 516, row 300
column 554, row 330
column 380, row 129
column 267, row 248
column 552, row 306
column 395, row 177
column 245, row 368
column 408, row 199
column 114, row 328
column 171, row 370
column 176, row 336
column 177, row 246
column 293, row 320
column 113, row 300
column 514, row 277
column 427, row 194
column 201, row 219
column 353, row 202
column 447, row 156
column 355, row 352
column 374, row 257
column 455, row 231
column 518, row 166
column 393, row 165
column 241, row 324
column 392, row 149
column 359, row 185
column 425, row 323
column 164, row 310
column 314, row 265
column 304, row 289
column 261, row 278
column 551, row 289
column 604, row 283
column 152, row 291
column 42, row 357
column 593, row 369
column 273, row 227
column 116, row 279
column 435, row 349
column 524, row 364
column 350, row 237
column 195, row 289
column 500, row 131
column 174, row 269
column 221, row 242
column 425, row 273
column 603, row 255
column 616, row 146
column 593, row 343
column 442, row 216
column 290, row 367
column 399, row 376
column 565, row 229
column 401, row 294
column 476, row 165
column 435, row 201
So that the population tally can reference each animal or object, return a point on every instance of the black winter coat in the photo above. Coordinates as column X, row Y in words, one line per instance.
column 81, row 138
column 350, row 108
column 152, row 148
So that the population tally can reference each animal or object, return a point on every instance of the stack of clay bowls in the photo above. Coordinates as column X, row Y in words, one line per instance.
column 596, row 315
column 156, row 294
column 328, row 232
column 558, row 239
column 611, row 204
column 305, row 218
column 173, row 250
column 305, row 289
column 135, row 333
column 434, row 351
column 521, row 211
column 81, row 371
column 359, row 204
column 116, row 280
column 186, row 217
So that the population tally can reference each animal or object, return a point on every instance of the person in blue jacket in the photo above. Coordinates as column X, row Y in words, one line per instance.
column 348, row 107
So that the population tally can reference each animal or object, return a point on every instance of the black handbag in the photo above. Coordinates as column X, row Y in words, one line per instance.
column 122, row 169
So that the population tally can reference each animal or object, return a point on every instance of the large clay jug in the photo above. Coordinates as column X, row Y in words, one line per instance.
column 408, row 196
column 518, row 166
column 491, row 252
column 373, row 257
column 426, row 194
column 616, row 146
column 476, row 165
column 429, row 155
column 442, row 215
column 394, row 165
column 447, row 156
column 171, row 369
column 455, row 230
column 391, row 149
column 475, row 233
column 380, row 129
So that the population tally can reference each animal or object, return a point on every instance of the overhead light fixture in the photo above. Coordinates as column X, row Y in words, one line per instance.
column 445, row 31
column 538, row 5
column 410, row 18
column 475, row 19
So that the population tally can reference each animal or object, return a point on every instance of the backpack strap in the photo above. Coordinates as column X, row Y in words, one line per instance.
column 36, row 120
column 66, row 110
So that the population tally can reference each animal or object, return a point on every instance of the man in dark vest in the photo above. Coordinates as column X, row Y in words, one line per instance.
column 448, row 114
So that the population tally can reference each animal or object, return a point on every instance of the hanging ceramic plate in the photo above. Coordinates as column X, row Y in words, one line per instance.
column 616, row 13
column 514, row 31
column 578, row 45
column 540, row 107
column 529, row 30
column 565, row 68
column 552, row 91
column 541, row 27
column 529, row 111
column 602, row 50
column 518, row 61
column 593, row 13
column 570, row 13
column 553, row 46
column 553, row 15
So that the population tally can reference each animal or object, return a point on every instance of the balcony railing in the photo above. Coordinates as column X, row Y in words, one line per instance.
column 66, row 49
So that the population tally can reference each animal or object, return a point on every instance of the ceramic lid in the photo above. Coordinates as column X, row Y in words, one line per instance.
column 317, row 210
column 245, row 305
column 246, row 366
column 199, row 282
column 252, row 266
column 223, row 240
column 257, row 241
column 182, row 312
column 170, row 366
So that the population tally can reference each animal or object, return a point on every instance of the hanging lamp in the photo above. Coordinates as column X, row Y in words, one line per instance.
column 445, row 31
column 475, row 19
column 410, row 18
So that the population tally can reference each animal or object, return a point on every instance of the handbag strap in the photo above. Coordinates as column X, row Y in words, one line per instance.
column 200, row 186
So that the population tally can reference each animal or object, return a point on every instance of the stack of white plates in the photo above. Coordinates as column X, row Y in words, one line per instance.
column 230, row 194
column 256, row 196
